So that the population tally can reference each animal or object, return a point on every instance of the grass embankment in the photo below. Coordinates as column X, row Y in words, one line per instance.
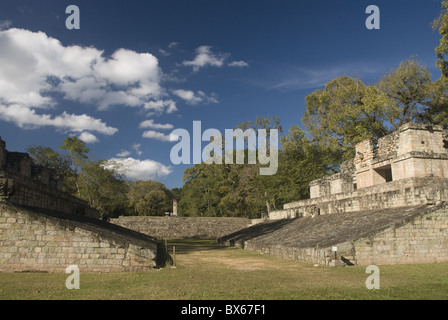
column 206, row 270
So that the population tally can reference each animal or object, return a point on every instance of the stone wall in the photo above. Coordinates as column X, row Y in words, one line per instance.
column 24, row 192
column 405, row 192
column 183, row 227
column 379, row 209
column 34, row 241
column 424, row 239
column 26, row 184
column 417, row 234
column 45, row 229
column 415, row 150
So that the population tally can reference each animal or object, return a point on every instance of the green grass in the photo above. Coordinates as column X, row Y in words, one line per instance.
column 206, row 270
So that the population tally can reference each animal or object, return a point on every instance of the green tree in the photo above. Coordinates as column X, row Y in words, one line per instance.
column 300, row 162
column 150, row 198
column 408, row 88
column 104, row 188
column 201, row 190
column 228, row 189
column 438, row 108
column 77, row 156
column 344, row 113
column 50, row 159
column 441, row 24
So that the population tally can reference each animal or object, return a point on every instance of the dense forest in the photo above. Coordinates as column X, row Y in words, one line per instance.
column 343, row 113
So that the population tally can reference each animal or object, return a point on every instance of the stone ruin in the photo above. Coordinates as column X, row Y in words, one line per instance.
column 45, row 229
column 387, row 205
column 26, row 184
column 406, row 167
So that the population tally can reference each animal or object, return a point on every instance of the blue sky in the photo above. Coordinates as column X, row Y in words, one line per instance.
column 136, row 70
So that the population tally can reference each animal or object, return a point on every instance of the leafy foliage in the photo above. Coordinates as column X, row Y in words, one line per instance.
column 150, row 198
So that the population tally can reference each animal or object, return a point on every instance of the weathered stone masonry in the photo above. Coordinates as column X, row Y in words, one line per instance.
column 183, row 227
column 34, row 241
column 407, row 167
column 45, row 229
column 417, row 234
column 25, row 184
column 386, row 206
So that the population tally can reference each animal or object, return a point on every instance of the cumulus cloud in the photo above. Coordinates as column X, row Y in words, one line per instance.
column 151, row 134
column 238, row 64
column 127, row 67
column 36, row 68
column 136, row 147
column 193, row 98
column 205, row 57
column 151, row 124
column 160, row 106
column 28, row 119
column 140, row 169
column 123, row 154
column 87, row 137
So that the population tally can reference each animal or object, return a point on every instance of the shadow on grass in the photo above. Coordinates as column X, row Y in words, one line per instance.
column 184, row 246
column 167, row 248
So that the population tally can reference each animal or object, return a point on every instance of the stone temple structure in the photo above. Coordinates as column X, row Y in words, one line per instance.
column 387, row 205
column 407, row 167
column 45, row 229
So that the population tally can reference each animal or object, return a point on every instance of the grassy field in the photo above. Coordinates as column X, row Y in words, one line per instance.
column 206, row 270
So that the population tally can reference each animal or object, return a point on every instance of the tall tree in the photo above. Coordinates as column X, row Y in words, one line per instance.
column 441, row 24
column 77, row 156
column 48, row 158
column 438, row 108
column 300, row 162
column 408, row 88
column 342, row 114
column 150, row 198
column 268, row 123
column 104, row 189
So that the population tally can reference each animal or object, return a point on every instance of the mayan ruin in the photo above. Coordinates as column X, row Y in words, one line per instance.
column 45, row 229
column 223, row 158
column 386, row 206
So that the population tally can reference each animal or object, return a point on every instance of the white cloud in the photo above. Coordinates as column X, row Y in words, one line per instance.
column 35, row 66
column 87, row 137
column 150, row 124
column 188, row 96
column 127, row 67
column 205, row 57
column 151, row 134
column 140, row 169
column 38, row 71
column 193, row 98
column 123, row 154
column 238, row 64
column 160, row 106
column 28, row 119
column 136, row 148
